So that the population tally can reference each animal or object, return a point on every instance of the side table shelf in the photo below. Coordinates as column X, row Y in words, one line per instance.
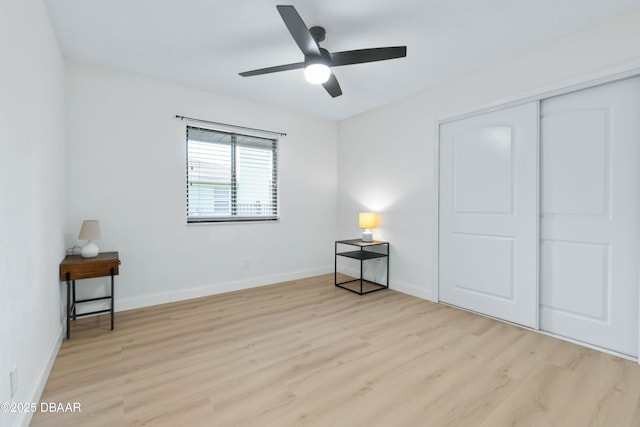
column 362, row 255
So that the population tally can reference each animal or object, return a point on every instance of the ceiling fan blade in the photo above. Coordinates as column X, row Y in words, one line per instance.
column 367, row 55
column 275, row 69
column 299, row 30
column 332, row 86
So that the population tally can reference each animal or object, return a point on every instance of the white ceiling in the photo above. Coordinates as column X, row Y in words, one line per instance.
column 204, row 44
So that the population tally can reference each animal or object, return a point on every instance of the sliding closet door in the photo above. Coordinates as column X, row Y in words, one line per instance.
column 590, row 210
column 488, row 219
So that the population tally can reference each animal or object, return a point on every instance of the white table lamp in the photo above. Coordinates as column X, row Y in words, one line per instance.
column 90, row 231
column 368, row 220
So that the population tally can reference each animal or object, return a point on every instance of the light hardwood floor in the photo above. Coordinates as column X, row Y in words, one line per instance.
column 307, row 353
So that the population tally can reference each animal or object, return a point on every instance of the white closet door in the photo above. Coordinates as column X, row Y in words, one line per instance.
column 590, row 210
column 488, row 219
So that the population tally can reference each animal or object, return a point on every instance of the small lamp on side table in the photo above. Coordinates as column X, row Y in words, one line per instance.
column 368, row 220
column 90, row 231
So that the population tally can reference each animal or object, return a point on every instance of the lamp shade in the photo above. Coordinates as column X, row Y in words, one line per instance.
column 90, row 230
column 368, row 220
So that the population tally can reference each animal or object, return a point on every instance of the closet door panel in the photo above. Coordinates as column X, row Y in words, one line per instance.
column 488, row 217
column 575, row 163
column 492, row 190
column 566, row 263
column 590, row 211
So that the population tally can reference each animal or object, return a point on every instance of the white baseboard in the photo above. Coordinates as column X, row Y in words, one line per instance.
column 216, row 288
column 416, row 291
column 35, row 393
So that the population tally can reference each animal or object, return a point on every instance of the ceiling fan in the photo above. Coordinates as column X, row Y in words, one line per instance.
column 317, row 60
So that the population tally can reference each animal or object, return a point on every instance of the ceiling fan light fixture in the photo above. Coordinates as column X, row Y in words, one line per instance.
column 318, row 60
column 317, row 73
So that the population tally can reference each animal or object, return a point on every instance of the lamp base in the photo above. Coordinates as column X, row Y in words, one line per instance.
column 90, row 250
column 367, row 236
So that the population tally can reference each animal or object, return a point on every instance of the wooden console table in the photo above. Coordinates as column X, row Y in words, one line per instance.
column 74, row 267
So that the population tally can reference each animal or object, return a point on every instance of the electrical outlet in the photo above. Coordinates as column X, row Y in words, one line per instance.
column 245, row 264
column 13, row 380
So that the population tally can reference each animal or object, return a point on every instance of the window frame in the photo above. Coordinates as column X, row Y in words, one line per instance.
column 274, row 188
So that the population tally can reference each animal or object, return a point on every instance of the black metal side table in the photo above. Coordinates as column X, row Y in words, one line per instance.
column 364, row 253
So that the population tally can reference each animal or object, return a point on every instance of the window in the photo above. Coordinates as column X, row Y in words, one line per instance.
column 231, row 176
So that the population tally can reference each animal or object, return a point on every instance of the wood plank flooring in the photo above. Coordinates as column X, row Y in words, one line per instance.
column 305, row 353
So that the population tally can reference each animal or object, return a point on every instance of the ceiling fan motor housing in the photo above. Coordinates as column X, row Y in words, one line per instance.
column 324, row 58
column 318, row 33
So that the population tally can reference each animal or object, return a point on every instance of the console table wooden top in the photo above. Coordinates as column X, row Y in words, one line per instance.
column 105, row 264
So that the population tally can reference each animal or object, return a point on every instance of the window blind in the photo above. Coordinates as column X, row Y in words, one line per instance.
column 230, row 176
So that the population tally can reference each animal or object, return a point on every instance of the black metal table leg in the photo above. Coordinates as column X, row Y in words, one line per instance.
column 112, row 298
column 335, row 261
column 68, row 307
column 73, row 298
column 361, row 250
column 388, row 256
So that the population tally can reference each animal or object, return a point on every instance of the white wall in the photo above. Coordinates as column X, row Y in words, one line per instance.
column 126, row 167
column 386, row 156
column 32, row 199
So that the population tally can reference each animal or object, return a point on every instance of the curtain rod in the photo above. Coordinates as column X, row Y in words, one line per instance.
column 227, row 124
